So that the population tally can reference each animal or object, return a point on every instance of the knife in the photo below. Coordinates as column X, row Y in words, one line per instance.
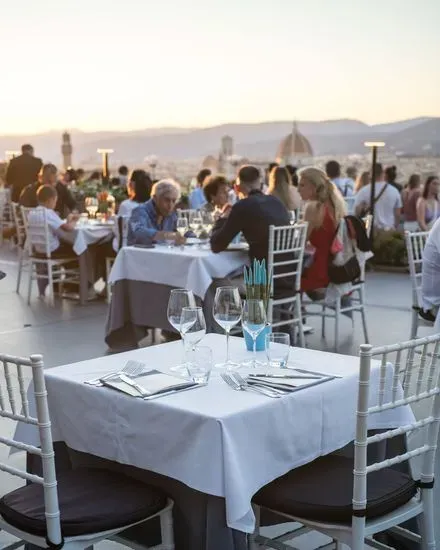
column 262, row 375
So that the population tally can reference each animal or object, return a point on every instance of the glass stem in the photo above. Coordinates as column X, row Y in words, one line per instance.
column 227, row 345
column 254, row 349
column 183, row 349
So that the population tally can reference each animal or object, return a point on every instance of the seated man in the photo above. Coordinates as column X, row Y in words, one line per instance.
column 431, row 275
column 156, row 220
column 252, row 216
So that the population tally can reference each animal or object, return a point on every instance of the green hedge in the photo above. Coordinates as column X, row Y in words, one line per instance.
column 389, row 248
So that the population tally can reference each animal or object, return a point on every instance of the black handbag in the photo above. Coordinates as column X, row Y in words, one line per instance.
column 346, row 273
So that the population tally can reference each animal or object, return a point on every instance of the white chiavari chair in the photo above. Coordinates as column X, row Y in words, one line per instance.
column 415, row 244
column 6, row 221
column 285, row 260
column 42, row 265
column 122, row 234
column 73, row 509
column 372, row 495
column 336, row 309
column 20, row 235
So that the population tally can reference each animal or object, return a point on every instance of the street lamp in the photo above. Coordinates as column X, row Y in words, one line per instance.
column 105, row 169
column 152, row 161
column 374, row 146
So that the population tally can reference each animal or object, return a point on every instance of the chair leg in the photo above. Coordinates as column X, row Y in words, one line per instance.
column 427, row 520
column 323, row 322
column 358, row 534
column 20, row 271
column 414, row 324
column 298, row 313
column 31, row 276
column 50, row 280
column 166, row 528
column 363, row 315
column 337, row 317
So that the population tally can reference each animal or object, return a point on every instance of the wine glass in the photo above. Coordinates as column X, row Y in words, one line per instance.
column 91, row 204
column 196, row 223
column 179, row 298
column 292, row 215
column 182, row 227
column 192, row 326
column 227, row 313
column 208, row 223
column 253, row 322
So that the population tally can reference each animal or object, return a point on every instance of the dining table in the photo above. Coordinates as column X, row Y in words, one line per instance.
column 143, row 277
column 210, row 448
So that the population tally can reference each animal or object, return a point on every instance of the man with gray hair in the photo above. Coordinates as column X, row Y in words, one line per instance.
column 156, row 219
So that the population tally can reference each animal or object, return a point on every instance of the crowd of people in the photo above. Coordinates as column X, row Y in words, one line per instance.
column 247, row 206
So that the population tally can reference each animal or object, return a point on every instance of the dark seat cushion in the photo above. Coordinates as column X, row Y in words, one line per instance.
column 323, row 491
column 90, row 501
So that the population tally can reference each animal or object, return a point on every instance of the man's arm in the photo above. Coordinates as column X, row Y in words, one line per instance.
column 139, row 228
column 226, row 228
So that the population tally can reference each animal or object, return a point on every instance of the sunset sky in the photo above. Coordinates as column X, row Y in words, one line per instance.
column 128, row 64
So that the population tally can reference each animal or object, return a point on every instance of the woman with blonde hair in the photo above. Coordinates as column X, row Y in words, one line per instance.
column 280, row 186
column 325, row 208
column 362, row 180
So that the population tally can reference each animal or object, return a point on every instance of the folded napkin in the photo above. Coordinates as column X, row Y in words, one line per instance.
column 153, row 382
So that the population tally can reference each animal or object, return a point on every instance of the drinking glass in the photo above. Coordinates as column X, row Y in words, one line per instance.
column 179, row 298
column 192, row 326
column 277, row 349
column 292, row 215
column 196, row 223
column 199, row 364
column 253, row 322
column 208, row 223
column 227, row 313
column 182, row 228
column 91, row 204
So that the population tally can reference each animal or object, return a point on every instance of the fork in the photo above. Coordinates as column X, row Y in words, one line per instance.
column 243, row 387
column 132, row 369
column 260, row 384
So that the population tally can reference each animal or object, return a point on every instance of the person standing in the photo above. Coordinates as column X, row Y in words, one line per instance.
column 345, row 185
column 391, row 176
column 197, row 197
column 428, row 205
column 22, row 171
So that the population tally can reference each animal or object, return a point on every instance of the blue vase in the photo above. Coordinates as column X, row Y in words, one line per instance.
column 261, row 339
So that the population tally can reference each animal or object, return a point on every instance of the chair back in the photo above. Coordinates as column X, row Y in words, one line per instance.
column 5, row 204
column 37, row 230
column 408, row 375
column 14, row 406
column 415, row 244
column 286, row 252
column 19, row 224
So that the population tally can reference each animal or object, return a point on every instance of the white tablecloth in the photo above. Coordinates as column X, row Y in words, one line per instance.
column 89, row 234
column 191, row 268
column 213, row 439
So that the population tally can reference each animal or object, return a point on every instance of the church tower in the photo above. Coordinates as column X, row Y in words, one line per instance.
column 66, row 150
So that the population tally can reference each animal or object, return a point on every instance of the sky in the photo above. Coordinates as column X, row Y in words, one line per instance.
column 133, row 64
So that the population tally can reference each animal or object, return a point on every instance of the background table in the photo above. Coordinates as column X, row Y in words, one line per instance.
column 214, row 440
column 142, row 279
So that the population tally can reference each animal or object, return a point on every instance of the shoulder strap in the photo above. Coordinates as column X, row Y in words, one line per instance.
column 376, row 200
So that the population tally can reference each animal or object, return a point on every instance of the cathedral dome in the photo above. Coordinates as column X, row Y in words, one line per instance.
column 294, row 146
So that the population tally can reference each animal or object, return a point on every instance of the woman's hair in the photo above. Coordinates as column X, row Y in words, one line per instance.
column 141, row 184
column 279, row 185
column 361, row 181
column 211, row 185
column 414, row 181
column 46, row 170
column 326, row 190
column 293, row 174
column 428, row 185
column 163, row 187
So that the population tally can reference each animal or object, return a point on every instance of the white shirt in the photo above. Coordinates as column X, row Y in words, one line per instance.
column 345, row 186
column 125, row 209
column 54, row 222
column 431, row 269
column 384, row 207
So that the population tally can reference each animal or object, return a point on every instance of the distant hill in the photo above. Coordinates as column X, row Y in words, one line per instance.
column 416, row 137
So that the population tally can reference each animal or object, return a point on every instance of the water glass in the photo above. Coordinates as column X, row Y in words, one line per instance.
column 292, row 216
column 277, row 349
column 192, row 326
column 199, row 364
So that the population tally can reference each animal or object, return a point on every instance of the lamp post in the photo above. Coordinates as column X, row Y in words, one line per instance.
column 152, row 161
column 373, row 145
column 105, row 169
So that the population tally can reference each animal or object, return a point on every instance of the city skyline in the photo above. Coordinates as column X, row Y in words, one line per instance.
column 205, row 63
